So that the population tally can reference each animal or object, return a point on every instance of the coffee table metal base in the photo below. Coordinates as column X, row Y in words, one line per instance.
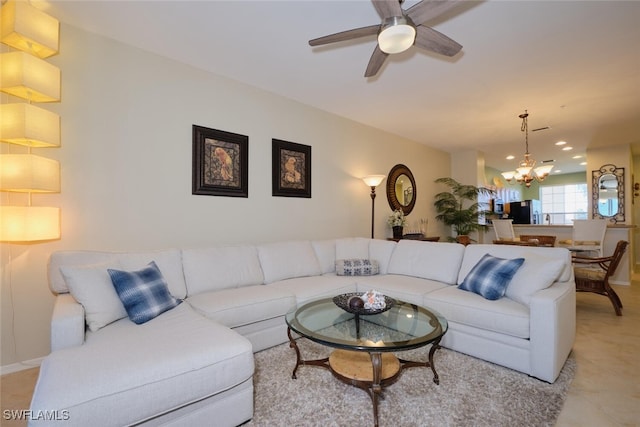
column 372, row 372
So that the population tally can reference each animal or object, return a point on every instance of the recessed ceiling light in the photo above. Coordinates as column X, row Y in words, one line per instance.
column 567, row 148
column 557, row 171
column 510, row 157
column 561, row 142
column 577, row 157
column 583, row 163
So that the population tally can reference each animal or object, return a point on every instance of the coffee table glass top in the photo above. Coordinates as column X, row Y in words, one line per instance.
column 403, row 327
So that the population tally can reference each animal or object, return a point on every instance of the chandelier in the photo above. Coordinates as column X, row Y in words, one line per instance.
column 527, row 172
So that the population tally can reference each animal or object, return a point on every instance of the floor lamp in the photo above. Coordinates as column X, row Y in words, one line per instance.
column 373, row 181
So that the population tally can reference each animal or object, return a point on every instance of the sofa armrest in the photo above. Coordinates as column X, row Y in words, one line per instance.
column 553, row 328
column 67, row 323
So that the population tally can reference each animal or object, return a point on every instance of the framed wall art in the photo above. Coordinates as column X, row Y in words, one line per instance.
column 291, row 170
column 220, row 163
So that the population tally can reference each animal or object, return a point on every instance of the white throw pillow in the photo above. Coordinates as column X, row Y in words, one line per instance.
column 537, row 273
column 92, row 287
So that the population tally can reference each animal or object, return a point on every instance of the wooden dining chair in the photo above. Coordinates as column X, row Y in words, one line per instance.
column 597, row 279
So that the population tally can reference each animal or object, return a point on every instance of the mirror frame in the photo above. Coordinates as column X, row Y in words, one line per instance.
column 595, row 186
column 394, row 174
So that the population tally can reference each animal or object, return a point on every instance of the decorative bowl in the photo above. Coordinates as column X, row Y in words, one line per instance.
column 342, row 301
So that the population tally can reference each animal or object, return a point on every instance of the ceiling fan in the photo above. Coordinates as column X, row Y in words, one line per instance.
column 399, row 30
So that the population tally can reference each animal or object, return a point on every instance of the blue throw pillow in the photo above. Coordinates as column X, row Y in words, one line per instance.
column 491, row 276
column 144, row 293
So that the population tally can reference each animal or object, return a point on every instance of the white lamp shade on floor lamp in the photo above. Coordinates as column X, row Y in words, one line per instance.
column 29, row 223
column 28, row 77
column 28, row 125
column 28, row 29
column 28, row 173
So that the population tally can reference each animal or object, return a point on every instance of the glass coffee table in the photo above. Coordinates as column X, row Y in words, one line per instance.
column 364, row 342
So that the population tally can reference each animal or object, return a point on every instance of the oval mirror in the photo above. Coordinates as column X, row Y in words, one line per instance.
column 608, row 195
column 401, row 189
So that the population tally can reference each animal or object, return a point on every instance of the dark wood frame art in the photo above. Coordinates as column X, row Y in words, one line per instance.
column 291, row 169
column 220, row 163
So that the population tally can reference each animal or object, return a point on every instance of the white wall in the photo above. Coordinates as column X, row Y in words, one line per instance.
column 126, row 172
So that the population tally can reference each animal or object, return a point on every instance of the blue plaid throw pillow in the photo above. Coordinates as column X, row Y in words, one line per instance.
column 491, row 276
column 144, row 293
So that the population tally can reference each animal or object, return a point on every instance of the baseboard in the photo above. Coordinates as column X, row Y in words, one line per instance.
column 21, row 366
column 620, row 282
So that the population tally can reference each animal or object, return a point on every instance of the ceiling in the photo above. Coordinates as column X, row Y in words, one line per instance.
column 574, row 65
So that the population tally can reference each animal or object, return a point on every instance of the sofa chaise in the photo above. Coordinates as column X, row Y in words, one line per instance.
column 193, row 363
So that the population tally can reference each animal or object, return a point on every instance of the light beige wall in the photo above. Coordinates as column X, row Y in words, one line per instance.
column 126, row 172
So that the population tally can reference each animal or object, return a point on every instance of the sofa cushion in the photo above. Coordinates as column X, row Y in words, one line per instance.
column 326, row 253
column 352, row 247
column 143, row 370
column 503, row 316
column 169, row 261
column 243, row 306
column 473, row 253
column 429, row 260
column 381, row 251
column 144, row 293
column 405, row 288
column 91, row 286
column 222, row 267
column 537, row 273
column 357, row 267
column 491, row 276
column 310, row 288
column 286, row 260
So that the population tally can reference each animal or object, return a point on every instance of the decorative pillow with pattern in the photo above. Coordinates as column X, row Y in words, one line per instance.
column 357, row 267
column 144, row 293
column 491, row 276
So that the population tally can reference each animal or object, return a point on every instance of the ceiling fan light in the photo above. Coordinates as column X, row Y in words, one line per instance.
column 397, row 35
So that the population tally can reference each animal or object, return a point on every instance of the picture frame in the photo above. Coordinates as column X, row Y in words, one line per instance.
column 220, row 163
column 291, row 169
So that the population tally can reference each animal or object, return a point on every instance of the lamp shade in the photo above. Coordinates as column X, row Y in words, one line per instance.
column 28, row 77
column 26, row 124
column 28, row 173
column 29, row 223
column 543, row 171
column 373, row 180
column 28, row 29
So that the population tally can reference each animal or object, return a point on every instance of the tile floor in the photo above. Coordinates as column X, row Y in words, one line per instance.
column 604, row 393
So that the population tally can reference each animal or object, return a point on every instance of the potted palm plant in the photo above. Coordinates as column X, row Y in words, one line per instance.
column 459, row 208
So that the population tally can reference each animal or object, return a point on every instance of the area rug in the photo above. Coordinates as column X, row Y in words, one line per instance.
column 472, row 392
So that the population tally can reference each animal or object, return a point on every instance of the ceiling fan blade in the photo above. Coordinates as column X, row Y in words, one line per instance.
column 429, row 9
column 346, row 35
column 387, row 8
column 376, row 61
column 430, row 39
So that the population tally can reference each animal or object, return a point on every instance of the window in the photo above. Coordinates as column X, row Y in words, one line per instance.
column 564, row 203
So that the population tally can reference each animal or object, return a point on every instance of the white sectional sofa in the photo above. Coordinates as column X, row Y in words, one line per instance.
column 194, row 363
